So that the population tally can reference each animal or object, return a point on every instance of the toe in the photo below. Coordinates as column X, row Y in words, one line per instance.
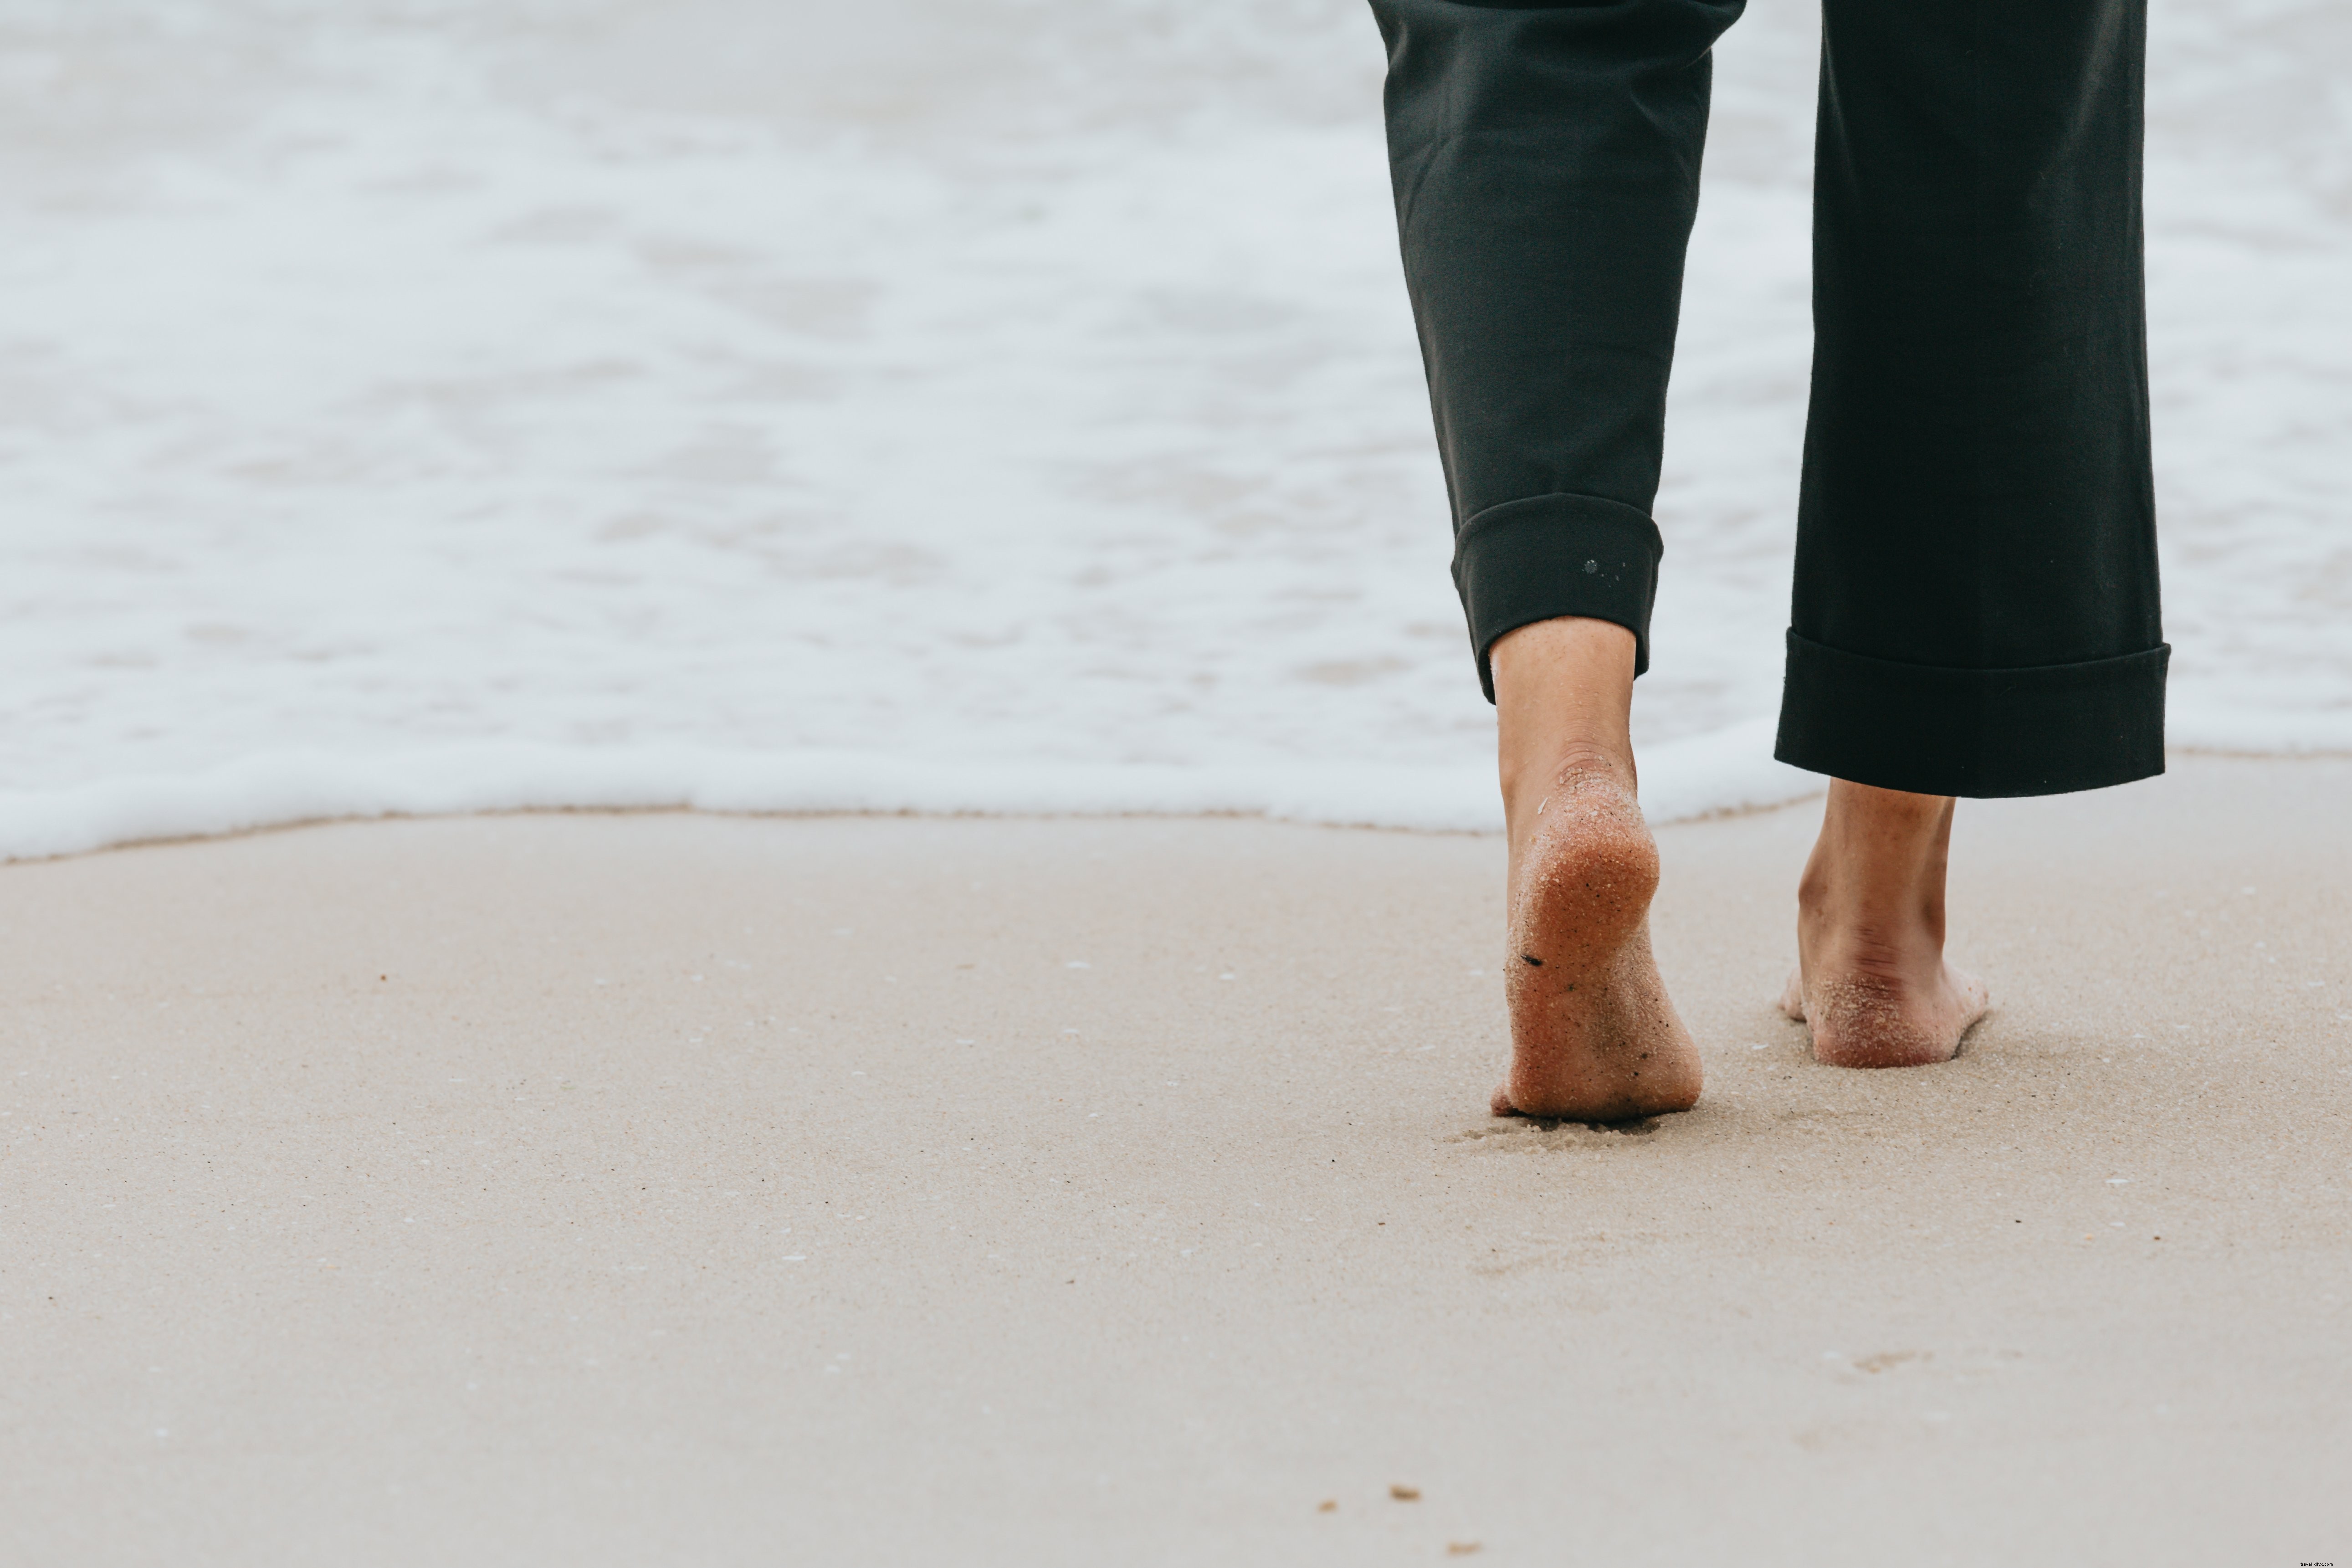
column 1501, row 1104
column 1793, row 996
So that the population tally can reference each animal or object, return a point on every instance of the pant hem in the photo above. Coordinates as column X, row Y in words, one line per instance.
column 1542, row 557
column 1985, row 733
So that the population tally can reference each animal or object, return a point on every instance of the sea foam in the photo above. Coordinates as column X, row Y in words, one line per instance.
column 1705, row 773
column 433, row 408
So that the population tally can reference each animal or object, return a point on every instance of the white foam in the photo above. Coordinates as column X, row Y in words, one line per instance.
column 1706, row 774
column 429, row 407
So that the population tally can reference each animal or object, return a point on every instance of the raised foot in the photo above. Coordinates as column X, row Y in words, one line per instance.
column 1593, row 1036
column 1866, row 1018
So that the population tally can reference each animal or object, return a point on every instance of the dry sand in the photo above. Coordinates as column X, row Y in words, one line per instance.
column 585, row 1189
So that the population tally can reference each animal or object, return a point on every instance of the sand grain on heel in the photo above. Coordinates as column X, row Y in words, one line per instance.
column 1593, row 1034
column 1867, row 1020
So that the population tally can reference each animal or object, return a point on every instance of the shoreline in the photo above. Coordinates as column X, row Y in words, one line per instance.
column 1726, row 772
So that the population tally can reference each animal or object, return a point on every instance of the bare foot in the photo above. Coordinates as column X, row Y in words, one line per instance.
column 1594, row 1035
column 1871, row 978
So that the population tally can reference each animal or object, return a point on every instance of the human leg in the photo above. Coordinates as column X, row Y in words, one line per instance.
column 1976, row 609
column 1975, row 603
column 1871, row 978
column 1546, row 164
column 1594, row 1036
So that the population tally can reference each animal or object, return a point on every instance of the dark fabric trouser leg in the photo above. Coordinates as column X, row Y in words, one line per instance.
column 1546, row 160
column 1976, row 603
column 1976, row 597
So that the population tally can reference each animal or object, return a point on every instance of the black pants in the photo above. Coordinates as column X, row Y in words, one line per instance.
column 1976, row 606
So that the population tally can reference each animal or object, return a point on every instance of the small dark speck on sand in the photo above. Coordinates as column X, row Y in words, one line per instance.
column 1531, row 958
column 1403, row 1493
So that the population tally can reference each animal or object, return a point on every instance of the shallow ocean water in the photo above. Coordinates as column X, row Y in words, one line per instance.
column 416, row 405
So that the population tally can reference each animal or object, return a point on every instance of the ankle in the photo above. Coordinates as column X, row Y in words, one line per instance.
column 1859, row 897
column 1885, row 953
column 1867, row 922
column 1563, row 695
column 1561, row 760
column 1872, row 895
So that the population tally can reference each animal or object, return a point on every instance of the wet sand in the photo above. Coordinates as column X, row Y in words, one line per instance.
column 676, row 1188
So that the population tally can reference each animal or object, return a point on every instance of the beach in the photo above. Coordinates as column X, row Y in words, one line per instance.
column 599, row 1188
column 743, row 819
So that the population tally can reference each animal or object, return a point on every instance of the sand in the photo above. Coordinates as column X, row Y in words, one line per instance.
column 687, row 1189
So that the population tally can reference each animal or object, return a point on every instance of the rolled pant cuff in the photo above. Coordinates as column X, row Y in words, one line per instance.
column 2048, row 729
column 1545, row 556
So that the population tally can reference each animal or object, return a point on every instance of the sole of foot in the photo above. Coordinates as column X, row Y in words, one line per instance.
column 1862, row 1019
column 1593, row 1036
